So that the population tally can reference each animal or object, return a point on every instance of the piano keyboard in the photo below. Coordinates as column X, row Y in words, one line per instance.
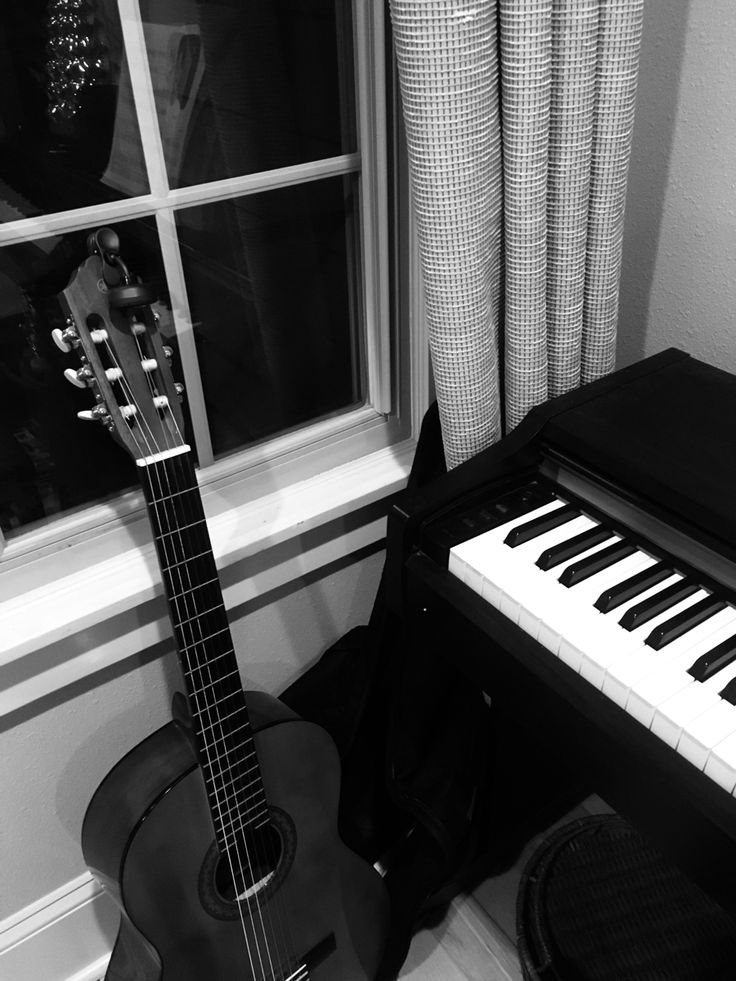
column 653, row 639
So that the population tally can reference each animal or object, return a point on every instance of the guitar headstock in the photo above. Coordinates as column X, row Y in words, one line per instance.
column 123, row 360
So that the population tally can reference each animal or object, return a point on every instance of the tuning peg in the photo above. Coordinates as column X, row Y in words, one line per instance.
column 66, row 339
column 179, row 389
column 98, row 414
column 81, row 378
column 168, row 352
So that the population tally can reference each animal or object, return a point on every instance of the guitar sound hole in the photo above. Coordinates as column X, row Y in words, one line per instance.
column 265, row 857
column 251, row 867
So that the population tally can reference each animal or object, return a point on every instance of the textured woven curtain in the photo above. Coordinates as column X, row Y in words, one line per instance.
column 518, row 117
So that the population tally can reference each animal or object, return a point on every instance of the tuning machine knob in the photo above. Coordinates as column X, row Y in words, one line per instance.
column 98, row 414
column 82, row 378
column 66, row 339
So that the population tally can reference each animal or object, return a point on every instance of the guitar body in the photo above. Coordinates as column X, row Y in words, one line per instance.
column 148, row 837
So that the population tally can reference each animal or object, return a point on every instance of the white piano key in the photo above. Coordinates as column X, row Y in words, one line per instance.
column 674, row 714
column 467, row 558
column 669, row 666
column 701, row 735
column 721, row 764
column 499, row 565
column 623, row 673
column 672, row 674
column 596, row 657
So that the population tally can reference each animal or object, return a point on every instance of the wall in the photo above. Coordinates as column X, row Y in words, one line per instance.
column 679, row 277
column 56, row 753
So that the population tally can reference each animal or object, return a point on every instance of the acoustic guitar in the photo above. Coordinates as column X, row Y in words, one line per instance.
column 217, row 835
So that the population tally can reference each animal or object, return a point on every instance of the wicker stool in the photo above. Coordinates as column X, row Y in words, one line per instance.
column 598, row 903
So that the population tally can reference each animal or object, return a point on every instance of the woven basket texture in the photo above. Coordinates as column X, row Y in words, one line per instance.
column 518, row 116
column 597, row 902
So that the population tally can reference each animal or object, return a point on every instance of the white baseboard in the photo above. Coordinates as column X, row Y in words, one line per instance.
column 66, row 935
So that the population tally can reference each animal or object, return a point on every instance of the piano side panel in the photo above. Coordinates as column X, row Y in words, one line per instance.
column 691, row 819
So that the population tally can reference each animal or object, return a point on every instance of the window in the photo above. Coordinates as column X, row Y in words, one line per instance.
column 237, row 150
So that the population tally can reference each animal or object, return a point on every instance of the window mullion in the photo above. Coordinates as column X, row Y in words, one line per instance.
column 143, row 96
column 171, row 255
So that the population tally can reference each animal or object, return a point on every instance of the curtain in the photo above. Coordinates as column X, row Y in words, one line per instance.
column 518, row 115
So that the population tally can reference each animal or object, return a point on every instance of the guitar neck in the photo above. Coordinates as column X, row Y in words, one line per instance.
column 220, row 719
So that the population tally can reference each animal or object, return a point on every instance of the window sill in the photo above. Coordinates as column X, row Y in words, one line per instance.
column 93, row 618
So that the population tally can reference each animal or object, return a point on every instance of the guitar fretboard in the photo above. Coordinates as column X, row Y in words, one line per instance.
column 219, row 714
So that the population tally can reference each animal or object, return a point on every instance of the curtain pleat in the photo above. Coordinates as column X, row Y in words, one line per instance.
column 574, row 53
column 539, row 190
column 619, row 37
column 526, row 40
column 446, row 55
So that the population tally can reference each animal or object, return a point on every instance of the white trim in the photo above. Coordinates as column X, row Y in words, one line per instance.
column 61, row 222
column 66, row 935
column 372, row 134
column 96, row 617
column 116, row 526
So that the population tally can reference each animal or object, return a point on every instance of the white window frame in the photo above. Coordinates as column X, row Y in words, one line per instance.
column 70, row 592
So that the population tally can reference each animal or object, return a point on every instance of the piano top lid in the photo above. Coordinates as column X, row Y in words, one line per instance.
column 667, row 437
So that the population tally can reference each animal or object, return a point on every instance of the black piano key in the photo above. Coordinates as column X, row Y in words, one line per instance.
column 643, row 612
column 624, row 591
column 572, row 547
column 729, row 692
column 679, row 624
column 537, row 526
column 597, row 562
column 714, row 660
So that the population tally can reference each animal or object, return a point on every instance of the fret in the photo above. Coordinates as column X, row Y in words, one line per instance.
column 222, row 729
column 202, row 613
column 180, row 528
column 205, row 688
column 210, row 660
column 201, row 585
column 230, row 734
column 231, row 790
column 189, row 647
column 232, row 769
column 230, row 798
column 217, row 757
column 230, row 803
column 181, row 493
column 230, row 840
column 234, row 808
column 233, row 813
column 215, row 705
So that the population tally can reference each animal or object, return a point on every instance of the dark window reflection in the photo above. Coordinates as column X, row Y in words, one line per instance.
column 270, row 279
column 243, row 87
column 66, row 121
column 49, row 460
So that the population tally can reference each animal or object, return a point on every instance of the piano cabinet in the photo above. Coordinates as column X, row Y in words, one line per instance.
column 552, row 709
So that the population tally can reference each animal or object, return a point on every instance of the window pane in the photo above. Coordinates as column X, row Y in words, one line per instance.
column 243, row 87
column 63, row 75
column 49, row 460
column 271, row 283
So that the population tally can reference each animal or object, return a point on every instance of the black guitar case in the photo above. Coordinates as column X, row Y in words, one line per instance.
column 423, row 756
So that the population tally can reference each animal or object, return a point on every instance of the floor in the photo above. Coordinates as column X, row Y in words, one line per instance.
column 477, row 939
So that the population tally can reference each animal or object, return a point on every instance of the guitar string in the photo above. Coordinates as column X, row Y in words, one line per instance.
column 275, row 908
column 264, row 852
column 152, row 450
